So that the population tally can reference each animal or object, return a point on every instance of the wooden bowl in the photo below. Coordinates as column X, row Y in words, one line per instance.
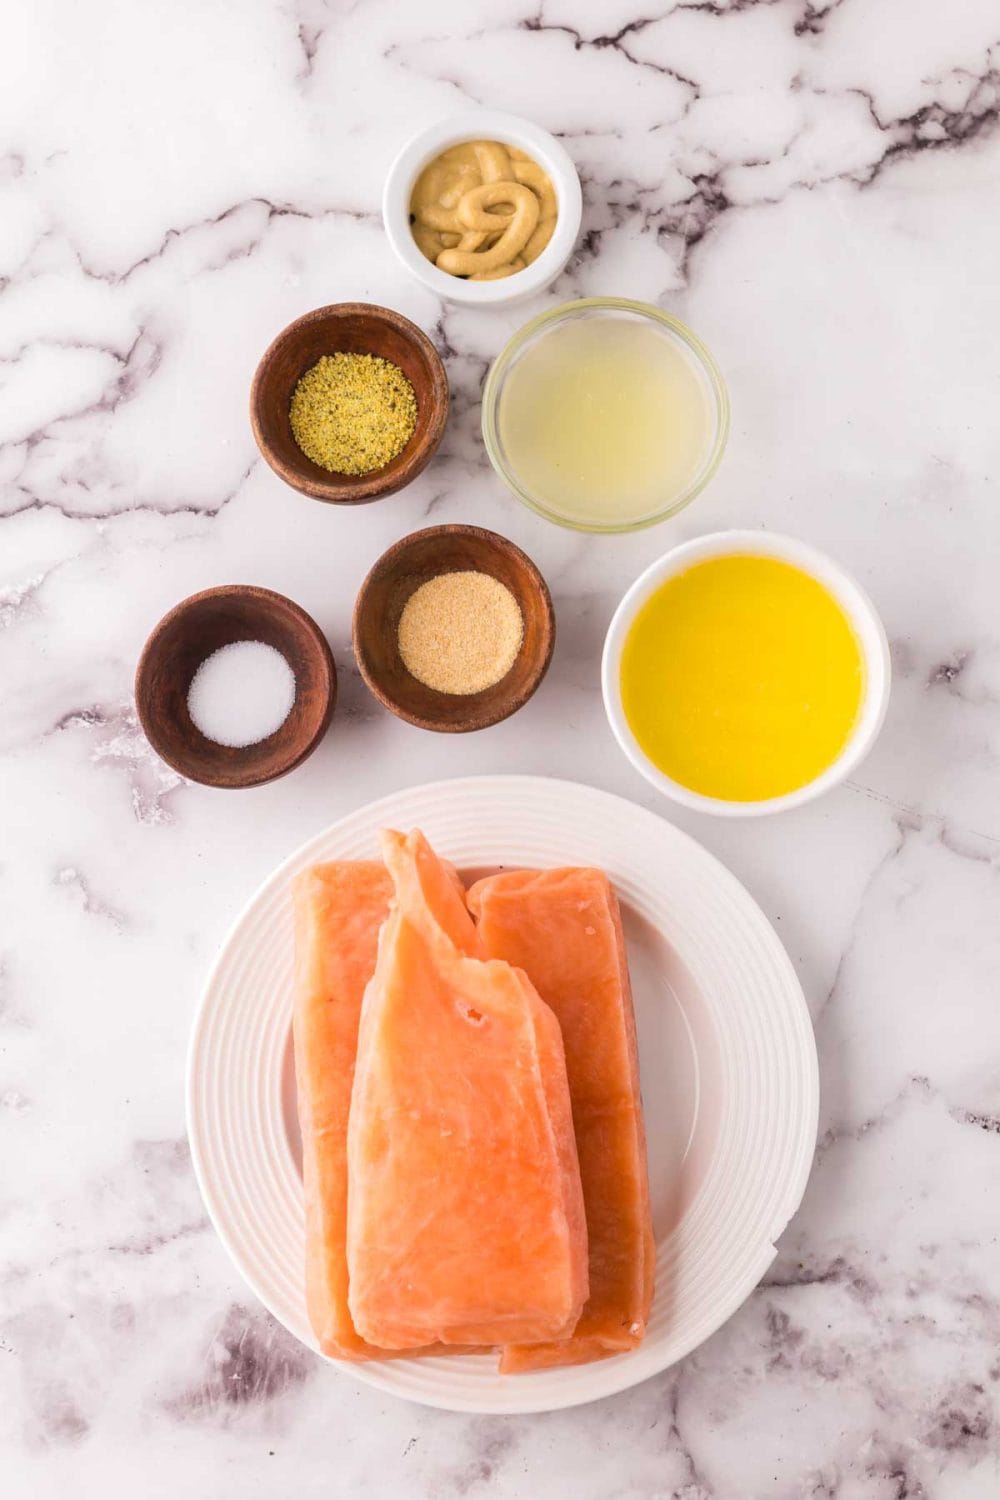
column 399, row 573
column 192, row 631
column 347, row 328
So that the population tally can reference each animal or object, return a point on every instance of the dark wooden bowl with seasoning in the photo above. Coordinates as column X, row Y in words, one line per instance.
column 353, row 328
column 186, row 637
column 394, row 580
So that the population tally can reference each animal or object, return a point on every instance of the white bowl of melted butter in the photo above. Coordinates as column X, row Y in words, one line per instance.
column 485, row 273
column 745, row 673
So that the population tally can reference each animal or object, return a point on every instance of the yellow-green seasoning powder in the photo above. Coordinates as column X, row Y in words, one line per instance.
column 353, row 413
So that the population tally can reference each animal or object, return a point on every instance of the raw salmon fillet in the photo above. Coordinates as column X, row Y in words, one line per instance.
column 563, row 928
column 465, row 1219
column 339, row 909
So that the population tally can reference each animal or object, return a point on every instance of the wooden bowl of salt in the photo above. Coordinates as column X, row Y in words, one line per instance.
column 454, row 628
column 236, row 686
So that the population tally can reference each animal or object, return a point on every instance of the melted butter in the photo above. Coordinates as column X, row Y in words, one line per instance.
column 742, row 678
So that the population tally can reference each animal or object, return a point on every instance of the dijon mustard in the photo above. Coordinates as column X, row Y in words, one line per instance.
column 483, row 210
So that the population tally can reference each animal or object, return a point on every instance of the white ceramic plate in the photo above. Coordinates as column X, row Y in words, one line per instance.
column 727, row 1057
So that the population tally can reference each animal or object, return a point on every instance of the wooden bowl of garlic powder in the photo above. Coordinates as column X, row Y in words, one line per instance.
column 453, row 628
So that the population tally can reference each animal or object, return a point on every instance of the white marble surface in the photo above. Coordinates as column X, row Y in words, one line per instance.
column 814, row 186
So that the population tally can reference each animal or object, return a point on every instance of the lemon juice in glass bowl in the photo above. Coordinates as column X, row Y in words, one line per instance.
column 605, row 414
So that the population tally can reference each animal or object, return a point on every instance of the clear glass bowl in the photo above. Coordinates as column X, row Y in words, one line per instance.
column 694, row 351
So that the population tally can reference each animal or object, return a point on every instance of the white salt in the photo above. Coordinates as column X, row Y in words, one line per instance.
column 241, row 694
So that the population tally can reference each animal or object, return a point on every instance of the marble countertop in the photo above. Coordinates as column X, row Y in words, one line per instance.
column 813, row 184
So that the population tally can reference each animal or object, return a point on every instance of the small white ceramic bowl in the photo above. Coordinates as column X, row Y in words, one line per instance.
column 852, row 597
column 483, row 125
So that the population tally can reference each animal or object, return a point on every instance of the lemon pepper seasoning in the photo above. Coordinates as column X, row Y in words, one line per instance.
column 353, row 413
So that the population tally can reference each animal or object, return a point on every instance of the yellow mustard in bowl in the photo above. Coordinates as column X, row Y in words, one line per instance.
column 742, row 678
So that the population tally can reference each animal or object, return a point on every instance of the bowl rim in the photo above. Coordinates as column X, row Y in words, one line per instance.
column 503, row 361
column 483, row 124
column 852, row 598
column 310, row 630
column 540, row 665
column 336, row 490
